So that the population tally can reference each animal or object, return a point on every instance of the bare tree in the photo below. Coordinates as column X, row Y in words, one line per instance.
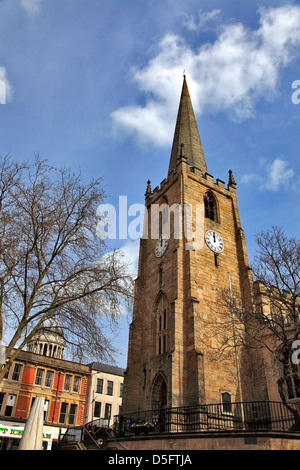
column 52, row 264
column 277, row 268
column 269, row 327
column 277, row 299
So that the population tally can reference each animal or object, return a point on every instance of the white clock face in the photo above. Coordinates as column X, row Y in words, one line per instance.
column 214, row 241
column 161, row 246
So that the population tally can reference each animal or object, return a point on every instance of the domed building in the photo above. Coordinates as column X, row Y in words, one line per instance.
column 48, row 340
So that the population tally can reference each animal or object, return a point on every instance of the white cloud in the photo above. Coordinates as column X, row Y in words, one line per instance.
column 32, row 7
column 229, row 75
column 6, row 90
column 274, row 176
column 279, row 175
column 205, row 17
column 147, row 124
column 130, row 251
column 247, row 178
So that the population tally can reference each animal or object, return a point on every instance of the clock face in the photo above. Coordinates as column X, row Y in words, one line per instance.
column 161, row 246
column 214, row 241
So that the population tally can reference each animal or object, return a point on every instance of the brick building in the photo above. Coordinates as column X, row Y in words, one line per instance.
column 42, row 371
column 63, row 384
column 74, row 393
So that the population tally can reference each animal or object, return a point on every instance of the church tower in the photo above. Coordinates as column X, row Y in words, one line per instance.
column 193, row 250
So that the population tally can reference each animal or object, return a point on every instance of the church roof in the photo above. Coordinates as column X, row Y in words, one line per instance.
column 186, row 133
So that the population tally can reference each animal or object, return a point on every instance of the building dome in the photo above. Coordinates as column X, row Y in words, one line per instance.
column 48, row 340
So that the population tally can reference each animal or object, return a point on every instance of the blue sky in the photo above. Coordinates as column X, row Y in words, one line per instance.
column 95, row 85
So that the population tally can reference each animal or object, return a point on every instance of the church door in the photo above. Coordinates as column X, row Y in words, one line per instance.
column 159, row 400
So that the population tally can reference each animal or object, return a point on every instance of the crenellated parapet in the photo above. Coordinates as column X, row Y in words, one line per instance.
column 192, row 172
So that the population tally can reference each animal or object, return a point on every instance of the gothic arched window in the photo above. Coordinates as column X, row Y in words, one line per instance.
column 210, row 206
column 226, row 402
column 289, row 382
column 291, row 378
column 162, row 325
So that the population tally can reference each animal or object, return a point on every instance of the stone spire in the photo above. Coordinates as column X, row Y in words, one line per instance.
column 186, row 133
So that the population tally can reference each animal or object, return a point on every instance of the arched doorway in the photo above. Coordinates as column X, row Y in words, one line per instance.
column 159, row 400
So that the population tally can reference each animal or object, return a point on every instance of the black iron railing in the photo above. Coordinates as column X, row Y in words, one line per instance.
column 92, row 434
column 235, row 417
column 247, row 416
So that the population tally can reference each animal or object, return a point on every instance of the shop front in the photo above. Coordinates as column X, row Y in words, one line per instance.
column 11, row 433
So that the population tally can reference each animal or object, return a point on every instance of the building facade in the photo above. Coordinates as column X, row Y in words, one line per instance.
column 75, row 394
column 41, row 371
column 192, row 250
column 106, row 392
column 63, row 384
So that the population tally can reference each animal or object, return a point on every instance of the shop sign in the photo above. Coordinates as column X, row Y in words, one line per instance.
column 17, row 432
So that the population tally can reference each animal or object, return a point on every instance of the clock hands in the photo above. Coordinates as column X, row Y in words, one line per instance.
column 214, row 241
column 161, row 245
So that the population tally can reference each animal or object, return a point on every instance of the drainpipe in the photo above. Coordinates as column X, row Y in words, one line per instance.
column 236, row 350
